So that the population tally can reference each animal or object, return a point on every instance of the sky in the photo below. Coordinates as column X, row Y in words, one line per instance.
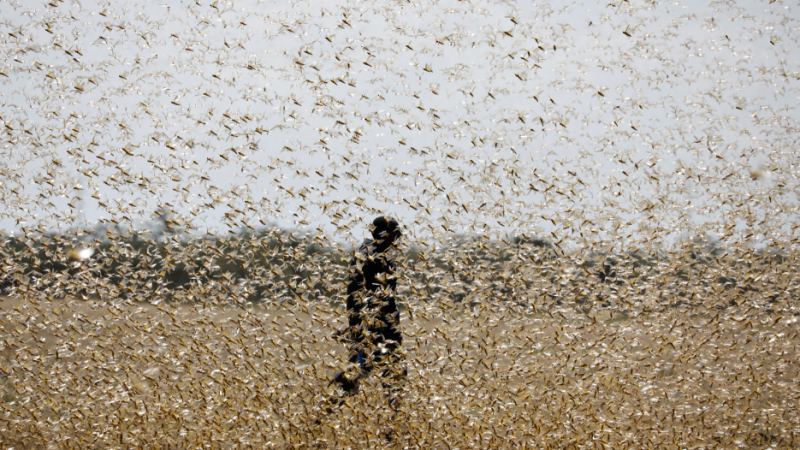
column 585, row 122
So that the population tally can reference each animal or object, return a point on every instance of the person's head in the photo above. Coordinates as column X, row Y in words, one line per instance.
column 385, row 230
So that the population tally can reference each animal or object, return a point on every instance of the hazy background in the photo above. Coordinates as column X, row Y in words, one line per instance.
column 633, row 122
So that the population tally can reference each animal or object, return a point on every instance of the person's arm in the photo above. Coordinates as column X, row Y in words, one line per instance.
column 355, row 286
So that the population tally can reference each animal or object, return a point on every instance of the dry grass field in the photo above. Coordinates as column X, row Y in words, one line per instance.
column 84, row 374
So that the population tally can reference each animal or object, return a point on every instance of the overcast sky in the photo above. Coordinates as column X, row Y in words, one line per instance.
column 582, row 121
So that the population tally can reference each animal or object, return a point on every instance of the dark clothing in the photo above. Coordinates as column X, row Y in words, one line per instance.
column 373, row 319
column 372, row 308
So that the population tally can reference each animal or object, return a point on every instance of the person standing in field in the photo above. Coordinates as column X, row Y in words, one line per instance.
column 372, row 334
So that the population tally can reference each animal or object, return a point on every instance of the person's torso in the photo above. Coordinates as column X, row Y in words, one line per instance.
column 372, row 269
